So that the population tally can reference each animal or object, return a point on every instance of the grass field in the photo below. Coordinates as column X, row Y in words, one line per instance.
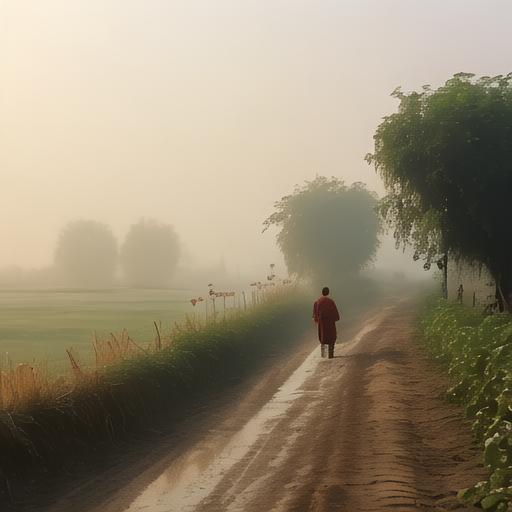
column 42, row 324
column 48, row 425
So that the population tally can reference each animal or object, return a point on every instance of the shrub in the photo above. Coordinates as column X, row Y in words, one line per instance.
column 477, row 352
column 49, row 432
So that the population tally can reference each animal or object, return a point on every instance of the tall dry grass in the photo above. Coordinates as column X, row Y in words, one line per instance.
column 49, row 424
column 25, row 385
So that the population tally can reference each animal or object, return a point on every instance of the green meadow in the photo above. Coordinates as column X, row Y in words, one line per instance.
column 42, row 324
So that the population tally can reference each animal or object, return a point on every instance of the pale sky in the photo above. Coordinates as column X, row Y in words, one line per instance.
column 203, row 113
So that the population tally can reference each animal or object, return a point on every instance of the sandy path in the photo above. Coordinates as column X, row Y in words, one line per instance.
column 366, row 431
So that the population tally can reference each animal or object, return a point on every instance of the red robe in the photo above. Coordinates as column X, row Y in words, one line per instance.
column 325, row 314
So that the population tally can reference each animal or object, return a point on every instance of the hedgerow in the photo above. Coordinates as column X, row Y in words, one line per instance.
column 52, row 434
column 477, row 352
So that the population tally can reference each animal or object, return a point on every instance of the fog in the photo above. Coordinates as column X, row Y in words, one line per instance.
column 201, row 114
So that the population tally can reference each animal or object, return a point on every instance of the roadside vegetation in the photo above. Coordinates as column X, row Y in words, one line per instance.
column 445, row 159
column 476, row 350
column 47, row 424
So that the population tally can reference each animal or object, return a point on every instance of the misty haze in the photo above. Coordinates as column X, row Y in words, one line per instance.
column 256, row 255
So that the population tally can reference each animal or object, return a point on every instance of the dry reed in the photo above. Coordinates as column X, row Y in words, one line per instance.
column 24, row 385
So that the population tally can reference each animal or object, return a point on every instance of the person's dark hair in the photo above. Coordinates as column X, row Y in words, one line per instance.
column 325, row 290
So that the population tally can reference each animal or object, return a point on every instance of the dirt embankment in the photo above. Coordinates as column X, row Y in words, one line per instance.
column 366, row 431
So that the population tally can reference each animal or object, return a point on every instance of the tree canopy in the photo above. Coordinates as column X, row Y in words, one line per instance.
column 149, row 254
column 86, row 254
column 327, row 230
column 446, row 161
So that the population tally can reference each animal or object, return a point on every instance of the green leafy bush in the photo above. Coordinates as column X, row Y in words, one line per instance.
column 477, row 352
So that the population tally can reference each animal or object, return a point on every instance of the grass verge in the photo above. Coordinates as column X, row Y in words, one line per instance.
column 53, row 431
column 476, row 350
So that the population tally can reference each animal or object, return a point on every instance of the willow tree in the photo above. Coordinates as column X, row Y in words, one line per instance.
column 328, row 231
column 446, row 161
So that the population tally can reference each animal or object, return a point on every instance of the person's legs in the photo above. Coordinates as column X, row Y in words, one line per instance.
column 331, row 350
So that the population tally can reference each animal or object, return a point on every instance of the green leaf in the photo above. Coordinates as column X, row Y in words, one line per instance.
column 468, row 495
column 500, row 477
column 494, row 457
column 491, row 501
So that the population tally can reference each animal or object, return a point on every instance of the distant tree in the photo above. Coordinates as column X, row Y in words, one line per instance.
column 150, row 254
column 86, row 254
column 328, row 231
column 446, row 161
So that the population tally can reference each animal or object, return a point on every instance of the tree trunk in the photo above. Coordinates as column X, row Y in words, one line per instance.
column 499, row 297
column 445, row 276
column 504, row 289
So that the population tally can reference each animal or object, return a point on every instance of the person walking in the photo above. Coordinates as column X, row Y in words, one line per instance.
column 325, row 314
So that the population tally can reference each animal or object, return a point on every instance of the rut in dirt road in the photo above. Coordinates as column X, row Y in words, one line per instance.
column 368, row 431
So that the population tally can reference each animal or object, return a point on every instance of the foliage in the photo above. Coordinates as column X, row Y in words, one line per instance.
column 51, row 433
column 86, row 254
column 150, row 254
column 446, row 161
column 327, row 229
column 477, row 351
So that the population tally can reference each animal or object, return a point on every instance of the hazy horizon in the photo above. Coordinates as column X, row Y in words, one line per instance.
column 202, row 114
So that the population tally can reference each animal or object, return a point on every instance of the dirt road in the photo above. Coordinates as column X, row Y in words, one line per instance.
column 366, row 431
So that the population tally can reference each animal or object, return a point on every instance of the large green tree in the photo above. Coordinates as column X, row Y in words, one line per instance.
column 86, row 254
column 149, row 254
column 327, row 230
column 446, row 161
